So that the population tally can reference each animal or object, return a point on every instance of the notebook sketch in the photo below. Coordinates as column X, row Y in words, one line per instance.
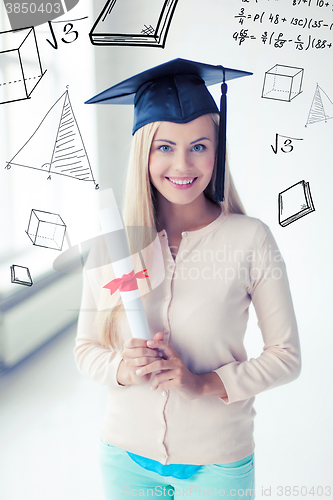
column 295, row 202
column 321, row 107
column 56, row 146
column 123, row 22
column 20, row 275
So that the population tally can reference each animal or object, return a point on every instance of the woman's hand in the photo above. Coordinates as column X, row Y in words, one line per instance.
column 135, row 355
column 174, row 373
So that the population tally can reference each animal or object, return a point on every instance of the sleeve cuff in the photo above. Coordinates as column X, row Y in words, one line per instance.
column 226, row 398
column 113, row 369
column 222, row 372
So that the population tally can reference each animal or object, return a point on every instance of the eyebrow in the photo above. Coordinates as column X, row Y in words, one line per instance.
column 201, row 139
column 165, row 140
column 174, row 144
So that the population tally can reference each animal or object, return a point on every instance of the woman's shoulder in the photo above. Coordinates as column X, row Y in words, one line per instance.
column 246, row 227
column 246, row 221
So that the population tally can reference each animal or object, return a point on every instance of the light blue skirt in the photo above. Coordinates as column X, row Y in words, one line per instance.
column 123, row 478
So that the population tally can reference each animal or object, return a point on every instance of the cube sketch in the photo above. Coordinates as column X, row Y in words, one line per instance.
column 20, row 65
column 46, row 229
column 282, row 83
column 20, row 275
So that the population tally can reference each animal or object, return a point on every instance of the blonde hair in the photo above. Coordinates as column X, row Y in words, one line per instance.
column 139, row 209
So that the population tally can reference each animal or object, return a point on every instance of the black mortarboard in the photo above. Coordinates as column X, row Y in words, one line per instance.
column 176, row 92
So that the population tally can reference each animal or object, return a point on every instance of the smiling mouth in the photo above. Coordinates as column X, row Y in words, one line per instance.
column 181, row 182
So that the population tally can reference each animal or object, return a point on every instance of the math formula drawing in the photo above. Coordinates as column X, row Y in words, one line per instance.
column 300, row 27
column 69, row 33
column 283, row 143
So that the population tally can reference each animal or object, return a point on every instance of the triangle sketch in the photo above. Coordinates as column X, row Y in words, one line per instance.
column 56, row 146
column 321, row 107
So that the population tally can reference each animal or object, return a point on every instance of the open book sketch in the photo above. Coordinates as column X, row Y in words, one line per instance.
column 294, row 203
column 321, row 108
column 56, row 146
column 20, row 64
column 20, row 275
column 124, row 22
column 282, row 83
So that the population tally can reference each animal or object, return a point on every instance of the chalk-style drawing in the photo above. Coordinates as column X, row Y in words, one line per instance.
column 73, row 35
column 321, row 108
column 20, row 275
column 67, row 154
column 46, row 229
column 287, row 146
column 123, row 22
column 282, row 83
column 21, row 68
column 294, row 203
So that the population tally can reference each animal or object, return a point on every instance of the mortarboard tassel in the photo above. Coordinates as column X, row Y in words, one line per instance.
column 221, row 152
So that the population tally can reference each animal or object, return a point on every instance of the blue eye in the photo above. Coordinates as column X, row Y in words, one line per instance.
column 198, row 147
column 165, row 148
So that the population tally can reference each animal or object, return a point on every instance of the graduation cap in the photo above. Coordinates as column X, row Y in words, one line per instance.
column 177, row 92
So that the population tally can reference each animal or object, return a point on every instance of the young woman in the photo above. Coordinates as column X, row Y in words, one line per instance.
column 179, row 419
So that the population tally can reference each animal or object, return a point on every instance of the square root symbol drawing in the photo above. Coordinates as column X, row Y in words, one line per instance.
column 20, row 64
column 46, row 229
column 282, row 83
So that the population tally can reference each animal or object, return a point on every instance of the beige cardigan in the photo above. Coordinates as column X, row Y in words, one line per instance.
column 202, row 307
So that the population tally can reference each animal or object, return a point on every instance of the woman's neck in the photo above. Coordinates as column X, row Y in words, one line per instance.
column 175, row 219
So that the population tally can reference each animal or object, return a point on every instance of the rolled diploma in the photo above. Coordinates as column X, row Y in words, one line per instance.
column 111, row 221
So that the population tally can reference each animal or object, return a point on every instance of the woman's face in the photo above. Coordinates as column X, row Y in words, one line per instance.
column 182, row 158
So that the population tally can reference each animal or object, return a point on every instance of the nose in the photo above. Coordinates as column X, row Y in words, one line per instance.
column 182, row 163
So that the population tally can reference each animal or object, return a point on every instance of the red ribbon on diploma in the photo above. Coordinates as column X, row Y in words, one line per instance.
column 127, row 282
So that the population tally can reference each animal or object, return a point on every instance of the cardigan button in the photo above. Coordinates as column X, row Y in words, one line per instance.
column 164, row 393
column 184, row 234
column 167, row 297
